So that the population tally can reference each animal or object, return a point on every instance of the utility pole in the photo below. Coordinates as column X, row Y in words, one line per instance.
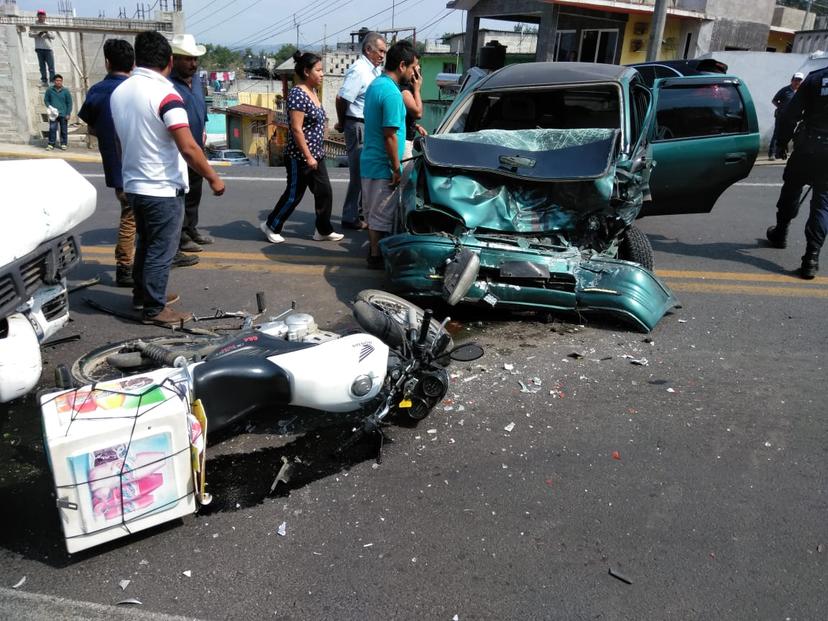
column 295, row 23
column 807, row 12
column 657, row 29
column 393, row 11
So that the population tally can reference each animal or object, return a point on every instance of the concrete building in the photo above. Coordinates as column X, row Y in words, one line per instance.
column 78, row 52
column 617, row 31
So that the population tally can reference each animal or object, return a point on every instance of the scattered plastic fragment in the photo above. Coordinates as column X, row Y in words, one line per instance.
column 130, row 602
column 616, row 455
column 144, row 562
column 283, row 476
column 536, row 381
column 682, row 321
column 20, row 583
column 455, row 618
column 188, row 573
column 576, row 355
column 282, row 529
column 508, row 366
column 525, row 388
column 768, row 444
column 470, row 378
column 431, row 431
column 124, row 584
column 619, row 576
column 671, row 390
column 509, row 427
column 367, row 545
column 820, row 549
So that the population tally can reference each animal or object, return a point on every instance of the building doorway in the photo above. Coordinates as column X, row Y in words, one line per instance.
column 566, row 45
column 598, row 46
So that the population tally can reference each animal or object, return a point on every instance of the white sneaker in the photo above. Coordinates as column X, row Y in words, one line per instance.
column 273, row 238
column 332, row 236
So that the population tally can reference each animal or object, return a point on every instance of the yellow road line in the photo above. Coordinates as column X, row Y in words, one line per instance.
column 304, row 259
column 700, row 287
column 321, row 265
column 739, row 276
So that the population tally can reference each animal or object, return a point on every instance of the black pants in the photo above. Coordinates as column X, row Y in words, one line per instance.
column 301, row 177
column 191, row 202
column 805, row 169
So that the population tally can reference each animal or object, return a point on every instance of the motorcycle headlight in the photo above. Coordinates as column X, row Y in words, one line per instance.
column 361, row 386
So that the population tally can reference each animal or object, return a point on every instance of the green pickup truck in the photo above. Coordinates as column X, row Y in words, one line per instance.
column 527, row 194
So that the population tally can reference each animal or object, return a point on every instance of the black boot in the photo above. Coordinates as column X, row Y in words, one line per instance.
column 123, row 276
column 810, row 263
column 778, row 235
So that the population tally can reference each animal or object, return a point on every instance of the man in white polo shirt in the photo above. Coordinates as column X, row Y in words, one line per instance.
column 156, row 148
column 351, row 121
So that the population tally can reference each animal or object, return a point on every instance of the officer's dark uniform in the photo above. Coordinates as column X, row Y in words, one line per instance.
column 808, row 165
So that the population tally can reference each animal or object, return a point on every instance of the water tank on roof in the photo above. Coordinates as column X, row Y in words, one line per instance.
column 492, row 56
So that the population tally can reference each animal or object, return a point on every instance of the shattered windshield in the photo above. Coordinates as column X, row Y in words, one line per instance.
column 539, row 154
column 567, row 107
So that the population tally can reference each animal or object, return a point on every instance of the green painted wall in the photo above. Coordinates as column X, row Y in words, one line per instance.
column 431, row 65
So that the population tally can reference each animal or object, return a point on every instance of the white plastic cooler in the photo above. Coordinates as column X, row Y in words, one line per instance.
column 120, row 456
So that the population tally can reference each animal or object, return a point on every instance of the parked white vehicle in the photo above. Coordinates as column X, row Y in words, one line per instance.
column 43, row 200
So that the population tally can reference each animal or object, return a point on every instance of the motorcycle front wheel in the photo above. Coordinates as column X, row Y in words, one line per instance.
column 397, row 309
column 121, row 359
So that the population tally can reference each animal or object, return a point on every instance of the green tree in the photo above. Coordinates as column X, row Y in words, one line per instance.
column 286, row 51
column 219, row 57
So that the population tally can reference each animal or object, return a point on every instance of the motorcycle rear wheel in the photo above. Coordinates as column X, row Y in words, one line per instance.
column 94, row 366
column 396, row 308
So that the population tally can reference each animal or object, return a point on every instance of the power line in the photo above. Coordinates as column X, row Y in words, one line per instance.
column 305, row 15
column 206, row 6
column 225, row 20
column 204, row 18
column 361, row 21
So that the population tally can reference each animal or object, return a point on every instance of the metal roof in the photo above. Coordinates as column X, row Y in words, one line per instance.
column 539, row 74
column 248, row 110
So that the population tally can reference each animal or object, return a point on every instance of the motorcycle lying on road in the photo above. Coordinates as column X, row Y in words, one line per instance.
column 127, row 449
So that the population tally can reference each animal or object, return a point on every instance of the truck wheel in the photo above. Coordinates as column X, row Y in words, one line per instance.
column 636, row 247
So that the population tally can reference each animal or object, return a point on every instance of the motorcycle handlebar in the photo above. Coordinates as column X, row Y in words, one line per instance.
column 426, row 322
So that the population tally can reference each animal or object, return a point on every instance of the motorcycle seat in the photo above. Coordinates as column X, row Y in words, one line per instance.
column 233, row 386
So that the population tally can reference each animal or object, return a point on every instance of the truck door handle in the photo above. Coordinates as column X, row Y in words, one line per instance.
column 735, row 158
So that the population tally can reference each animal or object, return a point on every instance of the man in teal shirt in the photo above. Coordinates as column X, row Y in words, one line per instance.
column 59, row 98
column 384, row 143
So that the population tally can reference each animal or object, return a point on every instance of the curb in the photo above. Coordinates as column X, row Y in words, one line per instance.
column 69, row 157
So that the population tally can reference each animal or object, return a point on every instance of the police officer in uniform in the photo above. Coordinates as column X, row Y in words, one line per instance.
column 808, row 165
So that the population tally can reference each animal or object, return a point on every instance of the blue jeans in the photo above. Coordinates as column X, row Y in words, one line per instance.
column 46, row 58
column 158, row 222
column 53, row 128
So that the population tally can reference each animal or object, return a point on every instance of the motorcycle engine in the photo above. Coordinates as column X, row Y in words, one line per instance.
column 298, row 327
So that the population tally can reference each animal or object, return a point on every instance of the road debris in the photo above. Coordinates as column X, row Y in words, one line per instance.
column 509, row 427
column 671, row 390
column 642, row 362
column 525, row 388
column 282, row 529
column 124, row 584
column 20, row 583
column 188, row 573
column 616, row 455
column 130, row 602
column 575, row 355
column 508, row 366
column 283, row 475
column 619, row 576
column 820, row 549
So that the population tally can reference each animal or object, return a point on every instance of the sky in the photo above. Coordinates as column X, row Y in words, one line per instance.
column 252, row 23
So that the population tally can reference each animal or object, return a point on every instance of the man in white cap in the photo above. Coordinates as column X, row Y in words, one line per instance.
column 779, row 101
column 43, row 49
column 187, row 82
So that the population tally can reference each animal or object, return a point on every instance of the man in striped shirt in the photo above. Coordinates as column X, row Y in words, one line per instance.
column 156, row 148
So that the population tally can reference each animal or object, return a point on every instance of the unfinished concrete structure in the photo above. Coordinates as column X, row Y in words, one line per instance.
column 78, row 51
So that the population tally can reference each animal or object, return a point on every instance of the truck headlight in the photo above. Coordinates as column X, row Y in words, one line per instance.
column 361, row 386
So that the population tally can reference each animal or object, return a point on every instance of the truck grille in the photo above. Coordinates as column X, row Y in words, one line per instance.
column 7, row 290
column 34, row 273
column 55, row 307
column 68, row 254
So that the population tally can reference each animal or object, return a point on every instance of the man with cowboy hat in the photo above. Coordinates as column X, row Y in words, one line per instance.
column 187, row 82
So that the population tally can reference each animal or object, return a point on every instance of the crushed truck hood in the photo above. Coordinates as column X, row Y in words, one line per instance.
column 42, row 199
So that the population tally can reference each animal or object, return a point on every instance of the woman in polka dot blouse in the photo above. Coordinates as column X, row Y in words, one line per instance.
column 305, row 154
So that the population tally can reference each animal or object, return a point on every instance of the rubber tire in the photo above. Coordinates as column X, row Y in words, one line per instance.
column 636, row 247
column 92, row 366
column 396, row 308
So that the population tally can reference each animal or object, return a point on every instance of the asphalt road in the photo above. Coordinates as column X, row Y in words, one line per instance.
column 701, row 477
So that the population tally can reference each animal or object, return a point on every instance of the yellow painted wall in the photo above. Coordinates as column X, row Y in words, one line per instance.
column 263, row 100
column 779, row 41
column 672, row 35
column 252, row 144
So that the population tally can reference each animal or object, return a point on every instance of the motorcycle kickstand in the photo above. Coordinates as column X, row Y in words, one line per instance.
column 382, row 439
